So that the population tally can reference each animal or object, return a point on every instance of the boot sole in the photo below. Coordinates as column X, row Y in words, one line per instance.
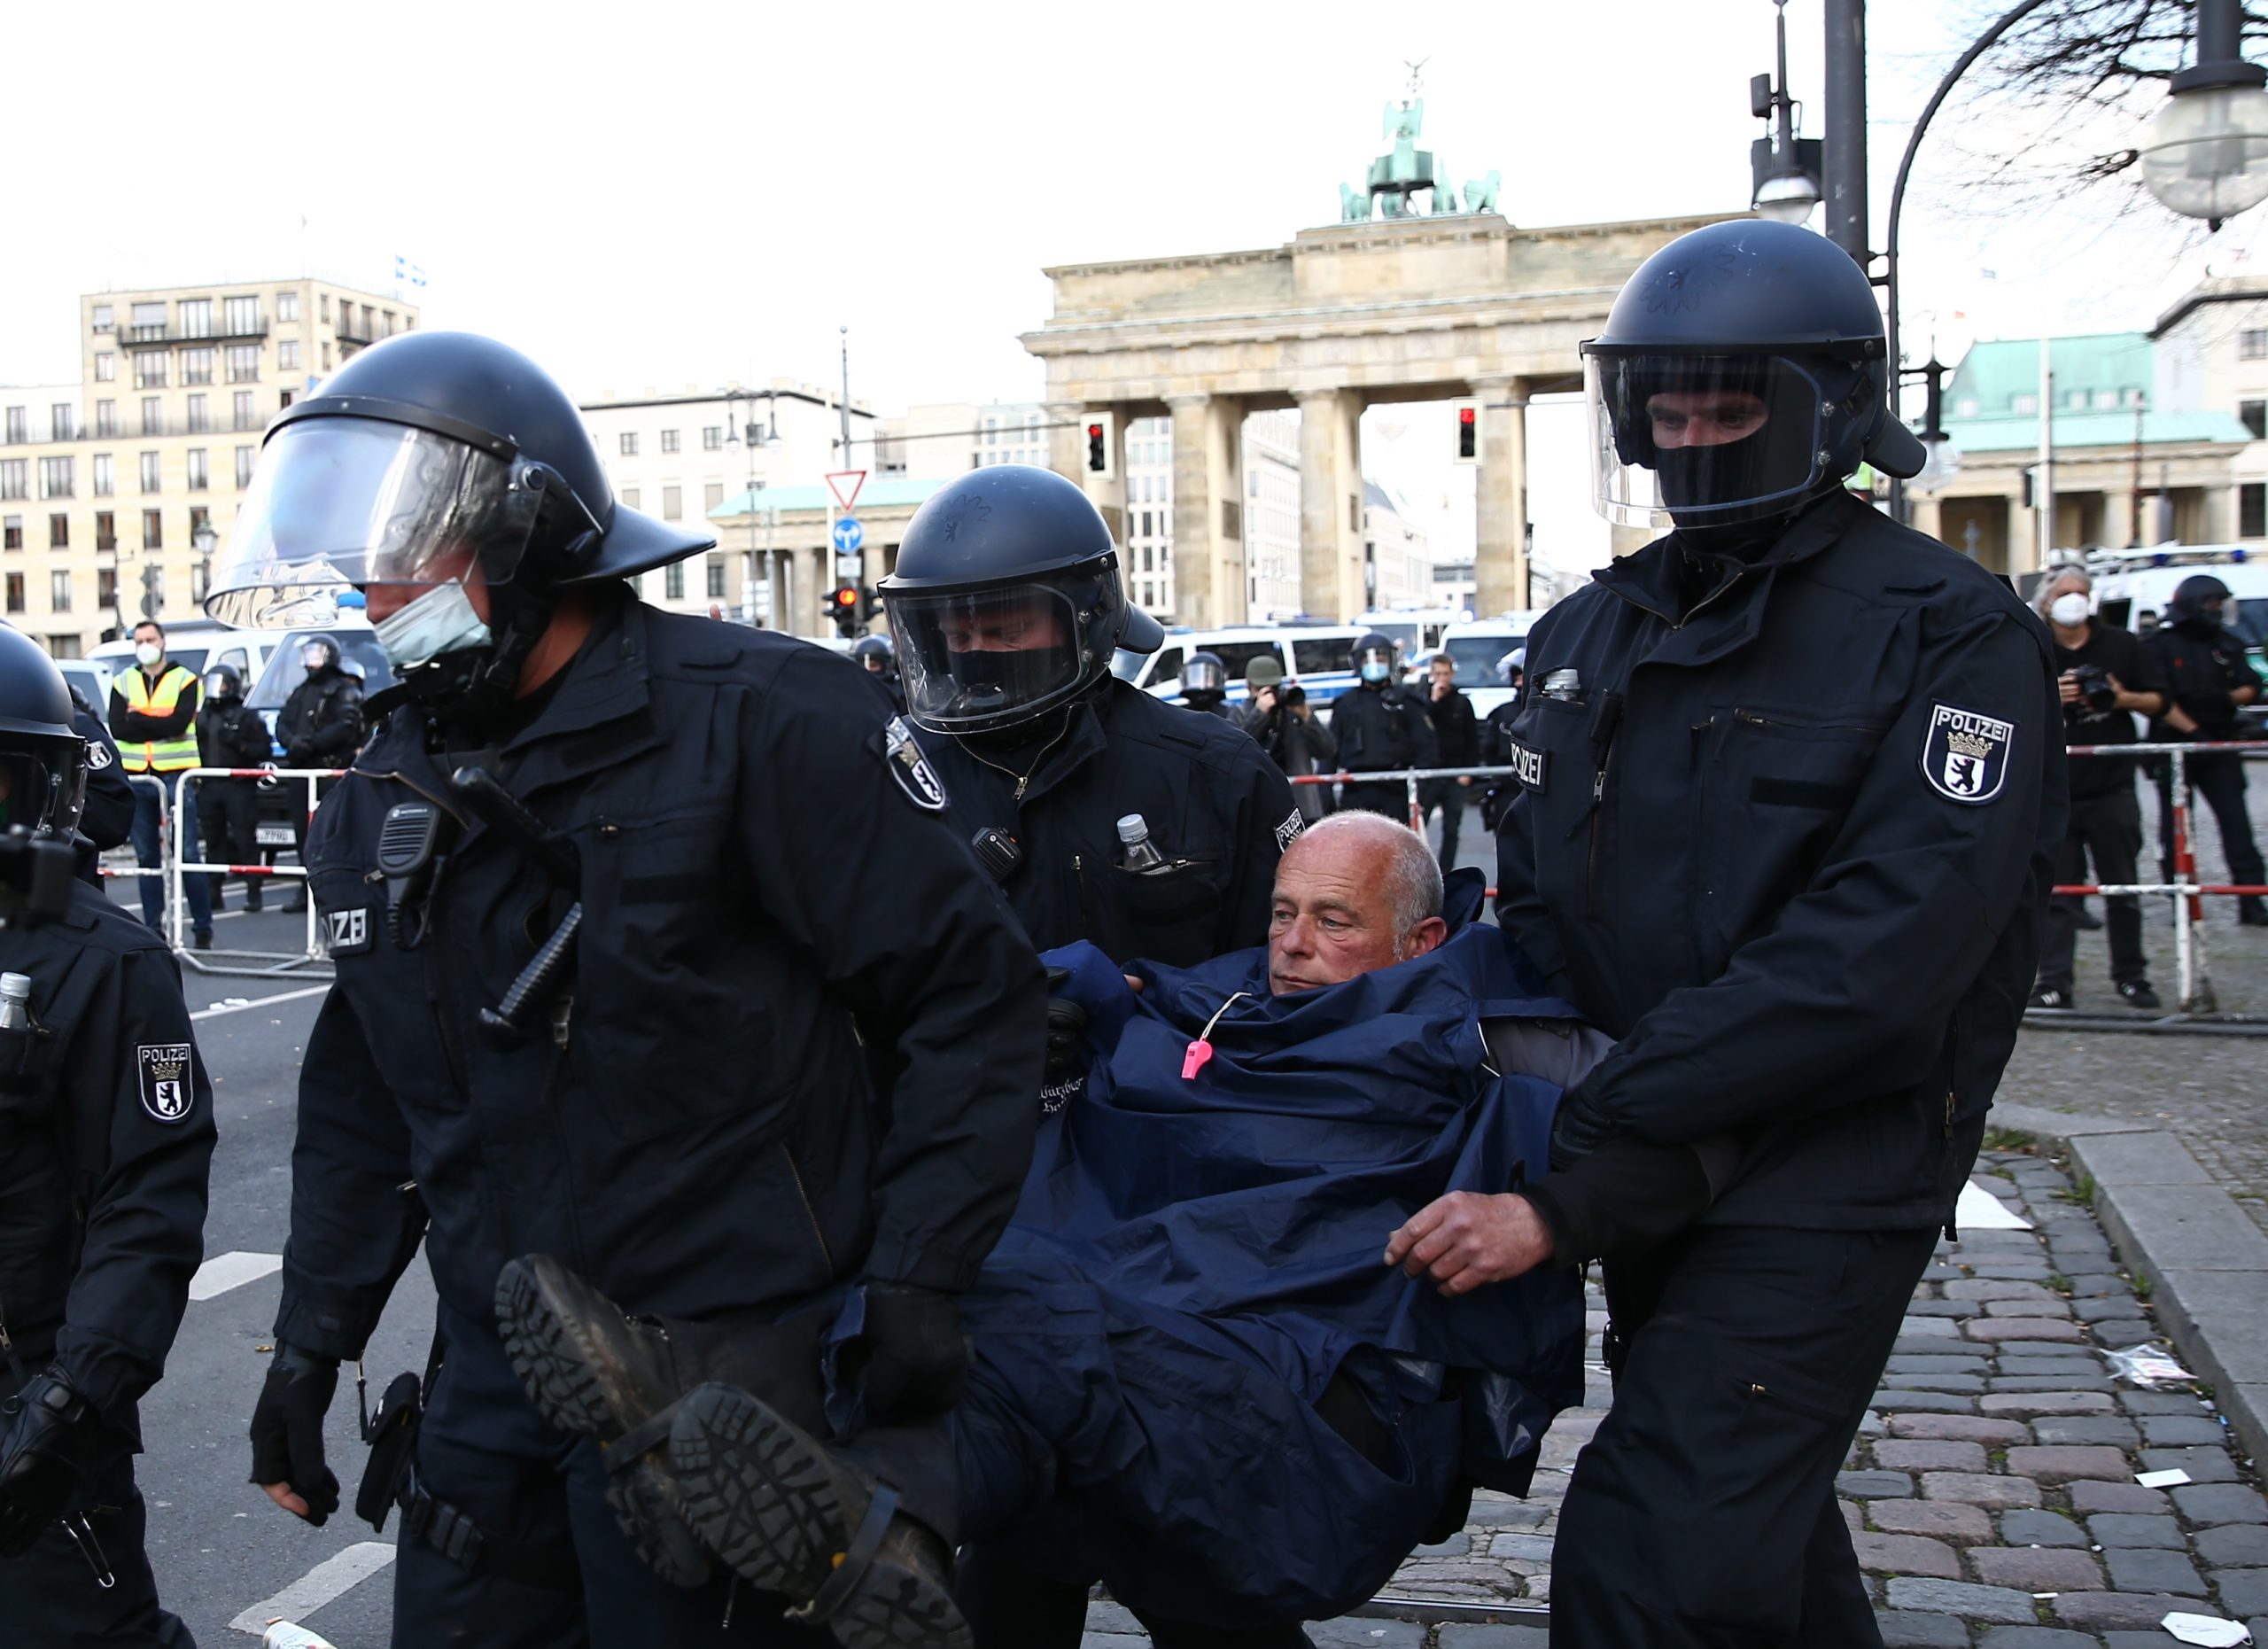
column 758, row 1494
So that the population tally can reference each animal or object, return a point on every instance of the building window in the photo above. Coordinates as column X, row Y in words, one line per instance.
column 106, row 533
column 385, row 324
column 105, row 475
column 107, row 586
column 2025, row 406
column 629, row 443
column 326, row 354
column 322, row 301
column 58, row 532
column 153, row 529
column 240, row 410
column 150, row 477
column 15, row 477
column 2254, row 415
column 673, row 582
column 153, row 415
column 196, row 317
column 669, row 441
column 198, row 516
column 672, row 502
column 716, row 579
column 149, row 370
column 243, row 466
column 62, row 419
column 106, row 420
column 200, row 416
column 105, row 318
column 2076, row 401
column 12, row 531
column 2105, row 400
column 59, row 590
column 712, row 438
column 241, row 315
column 199, row 475
column 2252, row 510
column 197, row 366
column 243, row 363
column 287, row 355
column 55, row 478
column 106, row 366
column 148, row 320
column 20, row 425
column 2252, row 343
column 712, row 494
column 283, row 400
column 287, row 306
column 630, row 498
column 15, row 592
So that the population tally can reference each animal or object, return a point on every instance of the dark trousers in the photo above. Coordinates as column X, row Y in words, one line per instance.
column 48, row 1595
column 1702, row 1515
column 1009, row 1605
column 226, row 812
column 1450, row 797
column 148, row 853
column 2109, row 829
column 2219, row 779
column 484, row 1450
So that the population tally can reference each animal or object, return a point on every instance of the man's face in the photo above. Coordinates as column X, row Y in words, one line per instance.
column 1444, row 670
column 382, row 601
column 1703, row 417
column 1015, row 624
column 151, row 634
column 1332, row 918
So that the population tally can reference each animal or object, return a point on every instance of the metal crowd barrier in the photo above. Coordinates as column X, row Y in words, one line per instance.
column 1412, row 777
column 308, row 963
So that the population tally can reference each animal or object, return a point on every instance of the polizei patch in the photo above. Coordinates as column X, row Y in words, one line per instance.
column 903, row 755
column 1527, row 765
column 1965, row 754
column 1288, row 832
column 99, row 756
column 166, row 1093
column 349, row 930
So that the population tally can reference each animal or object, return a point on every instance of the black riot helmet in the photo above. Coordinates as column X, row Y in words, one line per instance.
column 318, row 653
column 1204, row 678
column 876, row 653
column 1741, row 372
column 222, row 681
column 447, row 470
column 1006, row 601
column 1373, row 658
column 42, row 758
column 2198, row 600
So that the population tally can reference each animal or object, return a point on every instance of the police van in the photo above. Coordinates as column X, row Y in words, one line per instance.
column 2132, row 584
column 1478, row 646
column 1319, row 658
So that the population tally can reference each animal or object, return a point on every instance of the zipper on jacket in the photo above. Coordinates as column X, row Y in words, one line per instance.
column 1755, row 721
column 809, row 1213
column 1610, row 714
column 1949, row 1110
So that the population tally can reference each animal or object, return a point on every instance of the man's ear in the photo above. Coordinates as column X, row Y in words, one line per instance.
column 1427, row 936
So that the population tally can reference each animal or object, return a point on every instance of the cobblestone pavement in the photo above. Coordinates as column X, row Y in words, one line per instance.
column 1991, row 1491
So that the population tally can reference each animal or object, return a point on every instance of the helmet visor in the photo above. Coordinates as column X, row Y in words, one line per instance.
column 1699, row 440
column 974, row 660
column 43, row 787
column 1202, row 675
column 339, row 503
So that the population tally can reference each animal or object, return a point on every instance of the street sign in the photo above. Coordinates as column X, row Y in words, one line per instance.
column 844, row 483
column 849, row 535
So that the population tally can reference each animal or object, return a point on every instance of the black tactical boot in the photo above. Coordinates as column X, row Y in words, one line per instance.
column 795, row 1517
column 596, row 1372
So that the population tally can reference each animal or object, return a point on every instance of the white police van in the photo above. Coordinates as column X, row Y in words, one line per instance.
column 2130, row 584
column 1478, row 646
column 1318, row 657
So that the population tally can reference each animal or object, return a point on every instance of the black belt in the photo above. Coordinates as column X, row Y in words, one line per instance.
column 549, row 1565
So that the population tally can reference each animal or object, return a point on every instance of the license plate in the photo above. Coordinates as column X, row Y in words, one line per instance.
column 273, row 835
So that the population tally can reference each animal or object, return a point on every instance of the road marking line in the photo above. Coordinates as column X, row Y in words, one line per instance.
column 232, row 1270
column 328, row 1581
column 259, row 1001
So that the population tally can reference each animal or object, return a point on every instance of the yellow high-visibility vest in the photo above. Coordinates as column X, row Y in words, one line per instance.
column 158, row 755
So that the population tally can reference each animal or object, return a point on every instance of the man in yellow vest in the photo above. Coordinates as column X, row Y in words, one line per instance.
column 153, row 718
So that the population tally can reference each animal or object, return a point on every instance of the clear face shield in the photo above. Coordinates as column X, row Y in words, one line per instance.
column 218, row 686
column 1203, row 675
column 973, row 661
column 1703, row 440
column 1375, row 664
column 40, row 788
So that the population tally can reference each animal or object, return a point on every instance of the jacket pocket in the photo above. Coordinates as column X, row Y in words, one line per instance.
column 1169, row 913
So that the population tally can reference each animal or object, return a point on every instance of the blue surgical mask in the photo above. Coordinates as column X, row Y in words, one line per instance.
column 441, row 620
column 1375, row 670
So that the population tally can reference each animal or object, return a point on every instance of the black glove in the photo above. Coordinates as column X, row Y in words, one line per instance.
column 1579, row 1129
column 1066, row 1031
column 287, row 1428
column 913, row 1358
column 47, row 1430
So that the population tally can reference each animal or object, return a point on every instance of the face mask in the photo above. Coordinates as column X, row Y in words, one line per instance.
column 1375, row 670
column 148, row 653
column 439, row 621
column 2069, row 609
column 314, row 658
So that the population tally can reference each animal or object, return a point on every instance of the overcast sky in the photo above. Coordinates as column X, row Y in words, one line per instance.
column 671, row 192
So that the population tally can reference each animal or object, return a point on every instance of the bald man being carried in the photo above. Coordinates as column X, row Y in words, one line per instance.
column 1191, row 1372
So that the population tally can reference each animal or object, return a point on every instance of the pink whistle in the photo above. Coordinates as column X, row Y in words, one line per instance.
column 1194, row 1062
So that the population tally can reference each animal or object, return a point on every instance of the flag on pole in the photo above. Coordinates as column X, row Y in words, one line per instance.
column 406, row 273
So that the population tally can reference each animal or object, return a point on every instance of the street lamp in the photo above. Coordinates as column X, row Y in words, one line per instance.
column 2206, row 154
column 204, row 540
column 1784, row 169
column 753, row 435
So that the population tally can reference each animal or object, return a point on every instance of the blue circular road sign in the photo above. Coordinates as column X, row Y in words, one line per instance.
column 849, row 535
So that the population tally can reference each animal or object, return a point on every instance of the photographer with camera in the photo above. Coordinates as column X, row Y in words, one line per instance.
column 2106, row 676
column 1278, row 716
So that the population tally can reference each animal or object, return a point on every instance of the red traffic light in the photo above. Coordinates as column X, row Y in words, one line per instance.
column 1468, row 431
column 1098, row 461
column 1465, row 415
column 846, row 595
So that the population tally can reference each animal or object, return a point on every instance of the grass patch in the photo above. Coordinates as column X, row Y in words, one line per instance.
column 1999, row 1139
column 2141, row 1285
column 2059, row 1283
column 2082, row 1191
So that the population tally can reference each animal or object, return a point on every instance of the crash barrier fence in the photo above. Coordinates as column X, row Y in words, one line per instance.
column 308, row 961
column 2199, row 1009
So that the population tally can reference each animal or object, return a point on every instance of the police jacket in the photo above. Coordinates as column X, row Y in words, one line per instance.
column 322, row 722
column 107, row 818
column 1787, row 839
column 230, row 734
column 804, row 1035
column 105, row 1138
column 2201, row 666
column 1218, row 810
column 1381, row 729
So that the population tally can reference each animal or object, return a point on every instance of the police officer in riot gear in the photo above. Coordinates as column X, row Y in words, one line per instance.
column 1205, row 685
column 1790, row 789
column 105, row 1141
column 643, row 935
column 319, row 726
column 230, row 734
column 1381, row 726
column 1007, row 605
column 879, row 658
column 2211, row 677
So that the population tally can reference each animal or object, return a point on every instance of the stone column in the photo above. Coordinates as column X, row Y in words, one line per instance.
column 1208, row 578
column 1500, row 527
column 2118, row 519
column 2217, row 524
column 1331, row 504
column 1928, row 517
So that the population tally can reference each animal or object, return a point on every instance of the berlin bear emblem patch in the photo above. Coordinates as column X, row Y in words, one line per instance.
column 1965, row 754
column 166, row 1093
column 903, row 755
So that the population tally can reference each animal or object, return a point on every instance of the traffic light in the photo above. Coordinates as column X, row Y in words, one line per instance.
column 843, row 603
column 1467, row 413
column 1098, row 430
column 1095, row 454
column 870, row 603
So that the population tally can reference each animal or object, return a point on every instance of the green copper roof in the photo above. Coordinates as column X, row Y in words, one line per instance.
column 2094, row 429
column 888, row 492
column 1992, row 399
